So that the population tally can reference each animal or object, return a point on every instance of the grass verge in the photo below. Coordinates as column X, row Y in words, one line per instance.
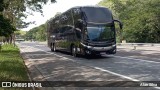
column 11, row 64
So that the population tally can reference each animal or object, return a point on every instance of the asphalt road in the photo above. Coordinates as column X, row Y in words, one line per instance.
column 142, row 64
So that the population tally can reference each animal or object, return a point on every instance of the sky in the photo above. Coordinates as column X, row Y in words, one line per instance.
column 49, row 10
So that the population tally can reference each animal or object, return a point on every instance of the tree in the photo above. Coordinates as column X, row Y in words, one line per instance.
column 20, row 34
column 57, row 14
column 140, row 18
column 37, row 33
column 12, row 13
column 5, row 27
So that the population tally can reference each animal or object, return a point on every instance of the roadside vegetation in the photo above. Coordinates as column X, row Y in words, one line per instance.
column 141, row 19
column 11, row 64
column 13, row 14
column 37, row 33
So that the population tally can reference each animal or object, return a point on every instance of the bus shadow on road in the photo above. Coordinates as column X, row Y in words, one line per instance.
column 86, row 57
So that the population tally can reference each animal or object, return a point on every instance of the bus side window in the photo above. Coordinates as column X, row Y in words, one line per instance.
column 76, row 15
column 68, row 30
column 61, row 31
column 69, row 20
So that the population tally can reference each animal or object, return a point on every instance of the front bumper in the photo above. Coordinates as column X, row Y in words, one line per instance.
column 91, row 49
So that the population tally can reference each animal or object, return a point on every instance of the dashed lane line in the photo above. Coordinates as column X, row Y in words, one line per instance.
column 143, row 60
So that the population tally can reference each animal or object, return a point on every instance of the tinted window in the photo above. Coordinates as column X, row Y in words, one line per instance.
column 100, row 33
column 97, row 14
column 62, row 30
column 69, row 18
column 76, row 14
column 55, row 30
column 65, row 29
column 66, row 19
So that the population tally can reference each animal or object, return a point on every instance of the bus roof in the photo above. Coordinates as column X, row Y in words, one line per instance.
column 89, row 6
column 53, row 18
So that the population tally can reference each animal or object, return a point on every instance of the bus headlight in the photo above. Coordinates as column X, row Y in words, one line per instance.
column 89, row 47
column 114, row 45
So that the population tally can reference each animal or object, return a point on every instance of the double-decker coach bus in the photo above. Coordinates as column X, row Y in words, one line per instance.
column 83, row 30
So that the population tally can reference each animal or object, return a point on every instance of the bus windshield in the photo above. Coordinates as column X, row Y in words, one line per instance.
column 98, row 15
column 100, row 33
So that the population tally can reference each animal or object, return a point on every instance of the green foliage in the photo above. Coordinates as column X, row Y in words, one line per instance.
column 37, row 33
column 20, row 34
column 13, row 14
column 1, row 5
column 5, row 27
column 141, row 19
column 11, row 64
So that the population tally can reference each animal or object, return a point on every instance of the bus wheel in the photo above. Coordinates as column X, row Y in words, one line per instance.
column 74, row 51
column 53, row 48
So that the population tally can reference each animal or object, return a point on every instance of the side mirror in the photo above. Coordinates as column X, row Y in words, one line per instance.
column 120, row 23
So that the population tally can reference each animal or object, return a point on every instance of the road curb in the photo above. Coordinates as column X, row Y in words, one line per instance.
column 28, row 72
column 23, row 57
column 26, row 68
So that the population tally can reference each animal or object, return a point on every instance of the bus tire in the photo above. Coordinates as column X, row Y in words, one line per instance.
column 53, row 48
column 74, row 51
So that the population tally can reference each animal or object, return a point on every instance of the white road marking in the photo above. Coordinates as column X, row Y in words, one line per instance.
column 104, row 70
column 144, row 60
column 40, row 59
